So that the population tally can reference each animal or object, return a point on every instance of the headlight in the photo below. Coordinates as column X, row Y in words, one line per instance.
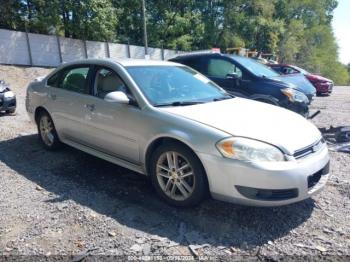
column 9, row 94
column 249, row 150
column 294, row 95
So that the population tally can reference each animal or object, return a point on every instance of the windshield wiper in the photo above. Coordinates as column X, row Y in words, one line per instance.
column 228, row 96
column 180, row 103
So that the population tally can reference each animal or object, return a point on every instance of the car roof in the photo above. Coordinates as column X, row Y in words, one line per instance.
column 143, row 62
column 186, row 56
column 183, row 57
column 125, row 62
column 279, row 65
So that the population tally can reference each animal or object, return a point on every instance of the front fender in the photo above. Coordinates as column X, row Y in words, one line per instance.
column 265, row 98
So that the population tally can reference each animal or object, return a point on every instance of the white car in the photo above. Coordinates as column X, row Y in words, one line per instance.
column 169, row 122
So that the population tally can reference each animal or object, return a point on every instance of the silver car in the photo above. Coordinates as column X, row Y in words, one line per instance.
column 169, row 122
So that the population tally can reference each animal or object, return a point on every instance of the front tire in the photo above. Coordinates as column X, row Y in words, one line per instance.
column 47, row 132
column 177, row 175
column 11, row 111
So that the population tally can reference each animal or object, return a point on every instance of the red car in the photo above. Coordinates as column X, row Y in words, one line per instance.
column 323, row 85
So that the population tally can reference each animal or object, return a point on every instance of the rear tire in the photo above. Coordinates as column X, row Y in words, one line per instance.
column 47, row 132
column 177, row 175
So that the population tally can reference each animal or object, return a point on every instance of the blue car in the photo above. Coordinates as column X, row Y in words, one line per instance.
column 245, row 77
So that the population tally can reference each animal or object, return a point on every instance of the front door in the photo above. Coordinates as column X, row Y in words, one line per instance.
column 113, row 127
column 226, row 74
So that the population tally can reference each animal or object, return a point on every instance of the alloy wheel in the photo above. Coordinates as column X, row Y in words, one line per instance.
column 175, row 175
column 47, row 130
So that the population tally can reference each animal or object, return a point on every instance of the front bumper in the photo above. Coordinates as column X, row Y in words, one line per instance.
column 290, row 181
column 7, row 103
column 323, row 87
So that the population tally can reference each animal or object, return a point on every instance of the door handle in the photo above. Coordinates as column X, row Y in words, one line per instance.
column 91, row 107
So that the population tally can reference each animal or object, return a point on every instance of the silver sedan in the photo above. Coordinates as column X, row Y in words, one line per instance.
column 188, row 135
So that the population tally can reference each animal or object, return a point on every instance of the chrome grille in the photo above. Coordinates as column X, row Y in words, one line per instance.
column 330, row 87
column 309, row 149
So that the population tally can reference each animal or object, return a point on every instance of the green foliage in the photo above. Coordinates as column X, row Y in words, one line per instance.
column 298, row 31
column 85, row 19
column 88, row 19
column 10, row 16
column 177, row 27
column 129, row 15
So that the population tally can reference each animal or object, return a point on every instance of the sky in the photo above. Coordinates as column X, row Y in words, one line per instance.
column 341, row 26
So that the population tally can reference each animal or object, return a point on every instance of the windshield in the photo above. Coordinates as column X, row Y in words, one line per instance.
column 254, row 67
column 175, row 85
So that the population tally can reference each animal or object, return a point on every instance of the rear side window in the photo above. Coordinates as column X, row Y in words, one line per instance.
column 221, row 68
column 277, row 69
column 288, row 70
column 75, row 80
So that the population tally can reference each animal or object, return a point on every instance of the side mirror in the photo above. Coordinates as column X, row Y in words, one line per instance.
column 232, row 76
column 117, row 97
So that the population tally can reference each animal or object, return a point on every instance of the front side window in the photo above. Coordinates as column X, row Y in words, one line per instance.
column 221, row 68
column 164, row 85
column 75, row 80
column 107, row 81
column 53, row 80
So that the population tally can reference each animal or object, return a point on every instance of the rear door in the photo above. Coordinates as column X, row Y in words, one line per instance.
column 69, row 94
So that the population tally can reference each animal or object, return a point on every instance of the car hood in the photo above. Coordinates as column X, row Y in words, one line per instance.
column 313, row 77
column 300, row 81
column 242, row 117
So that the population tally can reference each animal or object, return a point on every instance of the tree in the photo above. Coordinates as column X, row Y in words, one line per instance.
column 299, row 31
column 85, row 19
column 175, row 24
column 308, row 39
column 10, row 17
column 89, row 19
column 129, row 28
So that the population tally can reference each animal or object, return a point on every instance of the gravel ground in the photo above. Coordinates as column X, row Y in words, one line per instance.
column 71, row 203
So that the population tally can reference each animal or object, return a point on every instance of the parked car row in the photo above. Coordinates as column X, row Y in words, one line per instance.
column 245, row 77
column 323, row 85
column 189, row 135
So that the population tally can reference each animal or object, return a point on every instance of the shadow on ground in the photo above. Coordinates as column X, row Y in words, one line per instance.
column 129, row 199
